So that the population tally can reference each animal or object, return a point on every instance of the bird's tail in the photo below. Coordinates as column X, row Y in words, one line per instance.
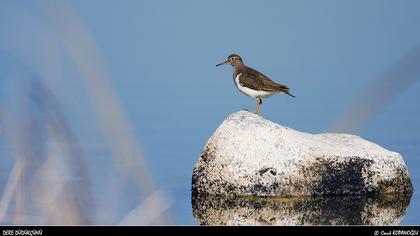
column 285, row 89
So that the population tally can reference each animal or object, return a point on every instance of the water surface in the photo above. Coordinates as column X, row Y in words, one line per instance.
column 159, row 58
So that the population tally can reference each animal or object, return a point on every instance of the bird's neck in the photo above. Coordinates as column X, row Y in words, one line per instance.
column 239, row 68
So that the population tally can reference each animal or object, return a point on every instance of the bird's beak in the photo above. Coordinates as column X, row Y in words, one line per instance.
column 222, row 63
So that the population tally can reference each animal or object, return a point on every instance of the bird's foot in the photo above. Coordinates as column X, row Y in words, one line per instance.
column 253, row 112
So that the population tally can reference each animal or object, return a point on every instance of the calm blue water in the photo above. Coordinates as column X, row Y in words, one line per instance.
column 161, row 58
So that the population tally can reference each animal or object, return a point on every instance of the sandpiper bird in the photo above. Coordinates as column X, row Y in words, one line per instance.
column 253, row 83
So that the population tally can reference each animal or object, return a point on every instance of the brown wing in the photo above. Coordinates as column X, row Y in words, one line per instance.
column 258, row 81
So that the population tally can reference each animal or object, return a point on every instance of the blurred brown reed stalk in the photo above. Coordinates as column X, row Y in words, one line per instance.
column 394, row 81
column 38, row 188
column 50, row 182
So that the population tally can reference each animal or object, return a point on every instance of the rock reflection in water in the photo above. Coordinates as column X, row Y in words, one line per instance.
column 214, row 210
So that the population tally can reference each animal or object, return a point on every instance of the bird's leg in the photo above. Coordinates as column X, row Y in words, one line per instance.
column 259, row 102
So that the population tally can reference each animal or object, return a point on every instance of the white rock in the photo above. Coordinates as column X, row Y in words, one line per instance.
column 249, row 155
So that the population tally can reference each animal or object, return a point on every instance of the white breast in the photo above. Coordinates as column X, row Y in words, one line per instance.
column 250, row 92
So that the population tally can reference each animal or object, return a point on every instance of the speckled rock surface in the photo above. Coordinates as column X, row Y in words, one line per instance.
column 250, row 156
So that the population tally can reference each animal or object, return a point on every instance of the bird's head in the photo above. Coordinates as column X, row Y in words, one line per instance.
column 233, row 60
